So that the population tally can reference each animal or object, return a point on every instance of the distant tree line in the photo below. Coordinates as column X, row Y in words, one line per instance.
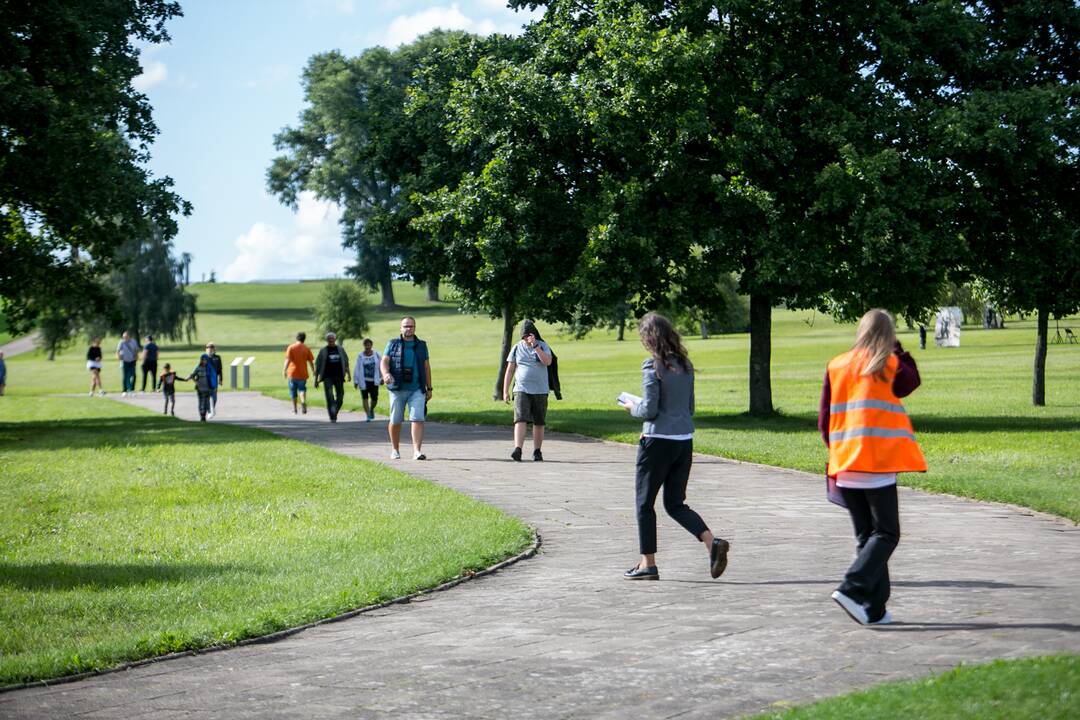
column 626, row 155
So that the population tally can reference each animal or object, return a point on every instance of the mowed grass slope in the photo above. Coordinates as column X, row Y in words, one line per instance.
column 973, row 414
column 127, row 535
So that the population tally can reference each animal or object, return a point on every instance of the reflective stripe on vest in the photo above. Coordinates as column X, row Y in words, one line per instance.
column 869, row 430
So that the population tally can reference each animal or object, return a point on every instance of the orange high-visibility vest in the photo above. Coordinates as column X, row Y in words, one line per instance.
column 869, row 430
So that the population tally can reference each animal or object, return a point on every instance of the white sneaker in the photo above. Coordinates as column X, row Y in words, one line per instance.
column 91, row 393
column 852, row 608
column 419, row 456
column 395, row 455
column 884, row 620
column 210, row 414
column 123, row 394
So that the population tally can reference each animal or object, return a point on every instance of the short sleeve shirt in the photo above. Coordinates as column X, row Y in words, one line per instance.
column 299, row 356
column 370, row 367
column 531, row 376
column 128, row 350
column 334, row 369
column 151, row 351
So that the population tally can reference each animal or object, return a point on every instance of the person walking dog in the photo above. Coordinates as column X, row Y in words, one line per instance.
column 870, row 439
column 666, row 449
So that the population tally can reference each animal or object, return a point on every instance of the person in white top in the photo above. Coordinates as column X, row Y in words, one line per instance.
column 367, row 378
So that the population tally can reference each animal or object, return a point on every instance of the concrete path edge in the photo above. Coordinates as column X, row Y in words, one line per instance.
column 527, row 553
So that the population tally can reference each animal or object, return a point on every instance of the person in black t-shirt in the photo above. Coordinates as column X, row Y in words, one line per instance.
column 93, row 364
column 149, row 364
column 332, row 369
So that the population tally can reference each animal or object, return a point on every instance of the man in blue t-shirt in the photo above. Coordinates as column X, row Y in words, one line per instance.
column 406, row 371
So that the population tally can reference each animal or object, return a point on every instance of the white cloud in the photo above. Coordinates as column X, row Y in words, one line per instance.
column 154, row 73
column 406, row 28
column 311, row 248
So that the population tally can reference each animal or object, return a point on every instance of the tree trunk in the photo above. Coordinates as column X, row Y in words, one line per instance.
column 760, row 356
column 433, row 290
column 622, row 329
column 386, row 287
column 704, row 330
column 1038, row 384
column 507, row 343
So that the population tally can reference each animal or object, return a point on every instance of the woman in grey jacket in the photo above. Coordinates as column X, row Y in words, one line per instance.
column 666, row 448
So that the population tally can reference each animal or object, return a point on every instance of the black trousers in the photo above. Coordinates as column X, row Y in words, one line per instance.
column 335, row 395
column 663, row 463
column 876, row 517
column 204, row 403
column 151, row 370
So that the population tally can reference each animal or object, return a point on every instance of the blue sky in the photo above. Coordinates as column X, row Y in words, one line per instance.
column 229, row 81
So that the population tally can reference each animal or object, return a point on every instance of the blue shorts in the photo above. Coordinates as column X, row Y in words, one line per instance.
column 415, row 401
column 297, row 386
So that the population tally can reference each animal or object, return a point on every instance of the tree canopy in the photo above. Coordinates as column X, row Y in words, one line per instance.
column 74, row 140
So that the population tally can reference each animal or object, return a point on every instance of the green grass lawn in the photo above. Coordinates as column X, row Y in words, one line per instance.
column 1046, row 688
column 67, row 554
column 973, row 414
column 127, row 534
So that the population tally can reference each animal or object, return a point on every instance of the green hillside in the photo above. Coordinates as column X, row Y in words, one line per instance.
column 982, row 436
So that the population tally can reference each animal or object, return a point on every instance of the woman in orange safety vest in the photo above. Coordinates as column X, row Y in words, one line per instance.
column 870, row 439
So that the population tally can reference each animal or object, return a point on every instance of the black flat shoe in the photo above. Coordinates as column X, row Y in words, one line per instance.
column 718, row 557
column 640, row 573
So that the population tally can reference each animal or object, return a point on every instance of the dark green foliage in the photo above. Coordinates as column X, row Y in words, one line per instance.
column 150, row 300
column 74, row 140
column 356, row 144
column 343, row 310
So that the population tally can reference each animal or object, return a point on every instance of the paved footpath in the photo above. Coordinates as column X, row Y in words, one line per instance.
column 562, row 635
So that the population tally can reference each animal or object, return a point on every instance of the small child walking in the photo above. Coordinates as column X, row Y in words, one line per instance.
column 205, row 377
column 167, row 382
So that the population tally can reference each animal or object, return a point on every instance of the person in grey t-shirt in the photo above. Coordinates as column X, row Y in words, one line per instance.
column 127, row 351
column 527, row 375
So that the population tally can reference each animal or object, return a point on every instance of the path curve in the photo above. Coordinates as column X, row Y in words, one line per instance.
column 20, row 345
column 562, row 635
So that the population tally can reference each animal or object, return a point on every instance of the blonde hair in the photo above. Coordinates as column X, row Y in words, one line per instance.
column 875, row 339
column 662, row 341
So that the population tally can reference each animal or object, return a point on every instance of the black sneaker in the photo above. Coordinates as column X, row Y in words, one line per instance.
column 640, row 573
column 538, row 456
column 718, row 557
column 516, row 455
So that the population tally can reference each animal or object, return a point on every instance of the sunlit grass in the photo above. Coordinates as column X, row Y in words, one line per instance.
column 127, row 534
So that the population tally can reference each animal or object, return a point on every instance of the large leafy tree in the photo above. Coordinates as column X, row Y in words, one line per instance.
column 150, row 298
column 1007, row 118
column 360, row 145
column 74, row 140
column 752, row 137
column 512, row 228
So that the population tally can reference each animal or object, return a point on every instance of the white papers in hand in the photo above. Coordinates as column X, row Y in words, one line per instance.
column 626, row 398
